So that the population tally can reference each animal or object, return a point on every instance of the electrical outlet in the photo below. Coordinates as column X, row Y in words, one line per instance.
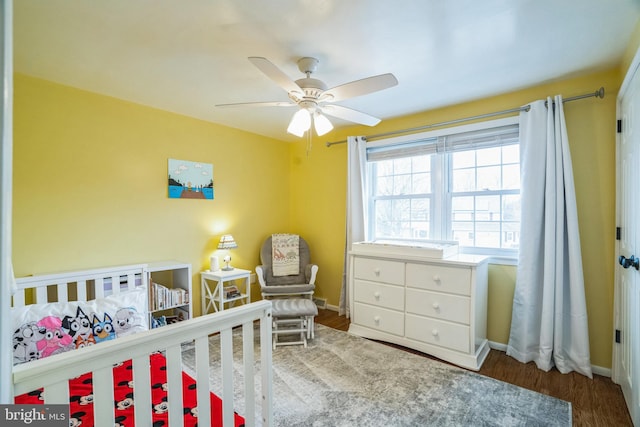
column 252, row 279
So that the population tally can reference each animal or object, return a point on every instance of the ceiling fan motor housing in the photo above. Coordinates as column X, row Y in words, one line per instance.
column 312, row 88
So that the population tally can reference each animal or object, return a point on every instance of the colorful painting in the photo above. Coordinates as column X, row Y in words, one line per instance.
column 190, row 180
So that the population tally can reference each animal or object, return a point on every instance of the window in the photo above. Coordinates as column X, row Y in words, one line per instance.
column 458, row 184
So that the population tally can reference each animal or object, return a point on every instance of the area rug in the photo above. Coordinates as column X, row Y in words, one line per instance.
column 344, row 380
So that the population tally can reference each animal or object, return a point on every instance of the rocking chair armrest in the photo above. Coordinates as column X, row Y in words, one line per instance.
column 260, row 274
column 310, row 272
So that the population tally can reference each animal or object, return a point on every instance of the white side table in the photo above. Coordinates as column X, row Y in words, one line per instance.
column 215, row 298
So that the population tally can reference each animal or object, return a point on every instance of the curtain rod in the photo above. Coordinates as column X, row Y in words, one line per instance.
column 598, row 94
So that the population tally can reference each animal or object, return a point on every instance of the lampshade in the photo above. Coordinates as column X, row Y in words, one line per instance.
column 300, row 122
column 227, row 242
column 321, row 123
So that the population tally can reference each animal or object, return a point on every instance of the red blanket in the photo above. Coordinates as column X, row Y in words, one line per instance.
column 81, row 396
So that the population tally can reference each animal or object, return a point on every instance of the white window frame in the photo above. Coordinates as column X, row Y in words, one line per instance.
column 442, row 214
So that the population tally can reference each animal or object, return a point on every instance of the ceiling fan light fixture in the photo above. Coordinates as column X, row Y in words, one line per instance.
column 321, row 123
column 300, row 122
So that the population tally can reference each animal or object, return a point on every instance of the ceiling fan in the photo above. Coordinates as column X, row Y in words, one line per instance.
column 314, row 99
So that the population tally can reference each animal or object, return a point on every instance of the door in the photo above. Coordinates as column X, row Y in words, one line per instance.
column 626, row 353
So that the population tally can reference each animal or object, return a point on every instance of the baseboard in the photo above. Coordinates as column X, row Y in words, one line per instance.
column 498, row 346
column 332, row 307
column 598, row 370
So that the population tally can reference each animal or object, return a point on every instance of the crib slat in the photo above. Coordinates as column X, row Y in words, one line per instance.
column 57, row 393
column 142, row 393
column 202, row 379
column 99, row 287
column 82, row 290
column 115, row 285
column 174, row 385
column 18, row 298
column 63, row 291
column 226, row 357
column 41, row 295
column 266, row 362
column 131, row 281
column 247, row 355
column 103, row 396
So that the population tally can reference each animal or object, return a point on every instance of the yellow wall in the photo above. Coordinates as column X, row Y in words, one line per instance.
column 90, row 184
column 320, row 178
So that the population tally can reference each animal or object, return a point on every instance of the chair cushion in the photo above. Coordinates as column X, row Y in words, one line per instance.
column 293, row 307
column 266, row 261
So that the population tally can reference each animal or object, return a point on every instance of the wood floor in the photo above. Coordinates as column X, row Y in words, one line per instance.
column 597, row 402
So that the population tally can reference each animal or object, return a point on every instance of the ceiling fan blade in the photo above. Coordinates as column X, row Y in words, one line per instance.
column 259, row 104
column 350, row 114
column 359, row 87
column 275, row 74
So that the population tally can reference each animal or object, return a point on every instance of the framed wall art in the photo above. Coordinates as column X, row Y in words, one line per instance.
column 190, row 180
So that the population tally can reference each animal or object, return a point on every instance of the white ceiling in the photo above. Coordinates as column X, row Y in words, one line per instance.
column 186, row 56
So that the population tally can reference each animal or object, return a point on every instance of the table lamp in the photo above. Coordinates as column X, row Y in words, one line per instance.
column 227, row 242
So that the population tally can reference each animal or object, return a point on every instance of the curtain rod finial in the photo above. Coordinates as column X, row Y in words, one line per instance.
column 600, row 93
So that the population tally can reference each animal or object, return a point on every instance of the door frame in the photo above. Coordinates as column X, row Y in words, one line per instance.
column 616, row 365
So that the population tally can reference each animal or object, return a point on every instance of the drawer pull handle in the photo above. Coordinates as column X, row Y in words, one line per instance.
column 376, row 319
column 434, row 332
column 376, row 295
column 436, row 278
column 435, row 305
column 376, row 271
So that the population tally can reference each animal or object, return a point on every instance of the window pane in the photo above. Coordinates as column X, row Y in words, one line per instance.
column 511, row 176
column 464, row 159
column 511, row 235
column 384, row 168
column 421, row 163
column 420, row 210
column 511, row 207
column 487, row 239
column 402, row 209
column 464, row 180
column 402, row 184
column 511, row 154
column 489, row 178
column 421, row 183
column 489, row 156
column 463, row 233
column 488, row 208
column 384, row 186
column 402, row 165
column 462, row 208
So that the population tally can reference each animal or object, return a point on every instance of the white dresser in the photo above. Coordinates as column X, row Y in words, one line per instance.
column 437, row 306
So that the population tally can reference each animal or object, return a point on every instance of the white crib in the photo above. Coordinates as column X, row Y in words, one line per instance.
column 52, row 373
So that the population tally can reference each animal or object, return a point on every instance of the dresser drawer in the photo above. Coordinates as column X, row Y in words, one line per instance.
column 440, row 278
column 387, row 296
column 438, row 332
column 379, row 270
column 438, row 305
column 378, row 318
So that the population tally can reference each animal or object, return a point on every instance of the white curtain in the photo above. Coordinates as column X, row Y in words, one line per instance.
column 356, row 212
column 549, row 320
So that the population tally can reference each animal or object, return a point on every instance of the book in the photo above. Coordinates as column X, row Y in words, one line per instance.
column 231, row 292
column 182, row 313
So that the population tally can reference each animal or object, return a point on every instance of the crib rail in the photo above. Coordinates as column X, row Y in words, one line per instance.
column 86, row 284
column 53, row 373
